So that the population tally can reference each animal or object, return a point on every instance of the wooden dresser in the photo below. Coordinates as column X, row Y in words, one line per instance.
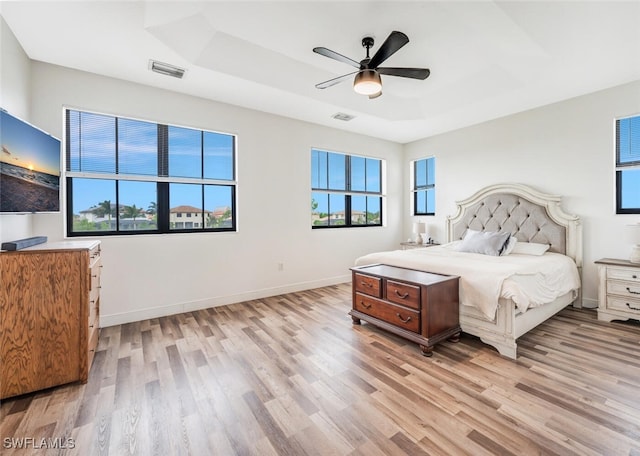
column 618, row 290
column 419, row 306
column 50, row 306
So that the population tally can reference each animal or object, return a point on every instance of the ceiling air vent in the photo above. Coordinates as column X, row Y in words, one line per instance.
column 166, row 69
column 343, row 116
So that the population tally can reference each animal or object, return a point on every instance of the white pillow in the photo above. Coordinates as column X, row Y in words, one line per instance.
column 530, row 248
column 508, row 247
column 484, row 242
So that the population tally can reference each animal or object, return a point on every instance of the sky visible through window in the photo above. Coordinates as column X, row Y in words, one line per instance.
column 93, row 145
column 337, row 179
column 629, row 155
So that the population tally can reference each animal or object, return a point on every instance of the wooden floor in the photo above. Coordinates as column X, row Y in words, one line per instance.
column 290, row 375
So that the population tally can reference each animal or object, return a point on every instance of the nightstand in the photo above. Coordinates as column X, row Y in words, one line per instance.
column 618, row 289
column 415, row 245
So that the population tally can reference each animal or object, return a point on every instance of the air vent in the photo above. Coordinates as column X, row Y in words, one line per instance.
column 166, row 69
column 343, row 116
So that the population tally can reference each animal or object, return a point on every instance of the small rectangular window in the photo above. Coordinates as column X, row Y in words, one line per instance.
column 424, row 187
column 628, row 165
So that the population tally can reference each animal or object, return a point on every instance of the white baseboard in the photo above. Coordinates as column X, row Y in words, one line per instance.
column 589, row 303
column 155, row 312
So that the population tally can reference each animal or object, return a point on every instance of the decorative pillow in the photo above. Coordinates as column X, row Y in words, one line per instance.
column 530, row 248
column 484, row 242
column 508, row 247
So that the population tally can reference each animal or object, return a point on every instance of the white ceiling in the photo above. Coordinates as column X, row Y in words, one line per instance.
column 487, row 59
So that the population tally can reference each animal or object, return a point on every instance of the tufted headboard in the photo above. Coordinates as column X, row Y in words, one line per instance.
column 529, row 215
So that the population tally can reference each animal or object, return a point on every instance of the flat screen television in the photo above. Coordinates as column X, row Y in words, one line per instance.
column 29, row 168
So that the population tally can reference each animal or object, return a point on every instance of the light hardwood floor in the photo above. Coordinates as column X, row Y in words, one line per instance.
column 291, row 375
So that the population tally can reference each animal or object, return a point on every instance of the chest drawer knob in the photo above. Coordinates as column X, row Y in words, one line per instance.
column 365, row 305
column 631, row 307
column 633, row 292
column 401, row 295
column 408, row 319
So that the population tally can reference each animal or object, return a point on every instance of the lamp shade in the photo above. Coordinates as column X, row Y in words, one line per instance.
column 367, row 82
column 418, row 229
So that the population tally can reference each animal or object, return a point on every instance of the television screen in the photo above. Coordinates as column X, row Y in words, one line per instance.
column 29, row 168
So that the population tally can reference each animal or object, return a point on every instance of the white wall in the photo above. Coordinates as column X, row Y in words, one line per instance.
column 15, row 98
column 566, row 148
column 152, row 275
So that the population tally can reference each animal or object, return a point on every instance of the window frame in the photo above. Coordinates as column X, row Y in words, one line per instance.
column 347, row 192
column 415, row 188
column 621, row 166
column 161, row 179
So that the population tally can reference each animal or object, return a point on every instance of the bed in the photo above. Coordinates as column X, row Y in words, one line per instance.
column 500, row 316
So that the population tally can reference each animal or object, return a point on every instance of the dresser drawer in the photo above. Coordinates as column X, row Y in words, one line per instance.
column 624, row 304
column 94, row 274
column 91, row 346
column 630, row 289
column 631, row 275
column 396, row 315
column 94, row 313
column 94, row 256
column 404, row 294
column 368, row 285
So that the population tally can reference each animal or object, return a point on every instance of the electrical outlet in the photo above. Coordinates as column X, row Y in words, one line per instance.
column 280, row 266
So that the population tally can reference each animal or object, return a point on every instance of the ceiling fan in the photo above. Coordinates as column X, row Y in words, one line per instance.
column 367, row 79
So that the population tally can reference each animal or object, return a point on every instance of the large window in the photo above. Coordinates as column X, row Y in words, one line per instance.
column 346, row 190
column 129, row 176
column 628, row 165
column 424, row 187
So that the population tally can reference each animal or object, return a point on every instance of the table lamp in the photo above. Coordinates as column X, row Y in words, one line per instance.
column 419, row 228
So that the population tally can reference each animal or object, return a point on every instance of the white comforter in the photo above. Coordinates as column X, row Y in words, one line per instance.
column 529, row 280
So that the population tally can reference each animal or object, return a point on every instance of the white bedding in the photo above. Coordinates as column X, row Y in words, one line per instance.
column 529, row 280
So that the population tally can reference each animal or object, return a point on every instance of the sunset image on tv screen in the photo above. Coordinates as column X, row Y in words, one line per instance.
column 29, row 168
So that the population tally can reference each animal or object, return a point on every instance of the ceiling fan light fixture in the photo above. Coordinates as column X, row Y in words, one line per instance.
column 367, row 82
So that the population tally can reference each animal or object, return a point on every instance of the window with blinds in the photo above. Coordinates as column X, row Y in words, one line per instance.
column 628, row 165
column 346, row 190
column 424, row 186
column 127, row 176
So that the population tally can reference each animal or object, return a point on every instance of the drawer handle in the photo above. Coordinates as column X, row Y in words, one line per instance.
column 365, row 305
column 402, row 319
column 634, row 276
column 366, row 284
column 631, row 307
column 400, row 295
column 633, row 292
column 94, row 276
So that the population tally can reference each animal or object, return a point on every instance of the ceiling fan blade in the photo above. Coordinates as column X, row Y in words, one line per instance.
column 334, row 81
column 415, row 73
column 393, row 42
column 334, row 55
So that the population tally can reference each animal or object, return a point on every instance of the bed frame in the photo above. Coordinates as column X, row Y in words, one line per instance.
column 531, row 216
